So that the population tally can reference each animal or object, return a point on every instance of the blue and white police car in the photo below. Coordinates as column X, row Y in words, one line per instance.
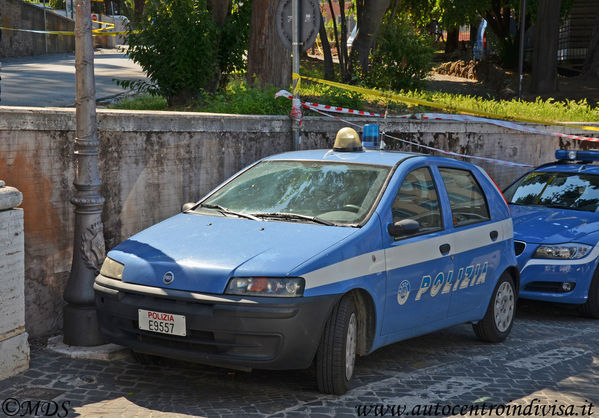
column 317, row 256
column 556, row 227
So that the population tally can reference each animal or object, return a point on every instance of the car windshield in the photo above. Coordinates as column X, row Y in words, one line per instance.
column 556, row 189
column 302, row 191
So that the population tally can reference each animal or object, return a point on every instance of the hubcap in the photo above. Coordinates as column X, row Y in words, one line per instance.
column 350, row 347
column 504, row 307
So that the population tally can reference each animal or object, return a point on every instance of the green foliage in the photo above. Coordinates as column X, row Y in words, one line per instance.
column 58, row 4
column 332, row 96
column 239, row 98
column 549, row 110
column 177, row 45
column 142, row 102
column 402, row 57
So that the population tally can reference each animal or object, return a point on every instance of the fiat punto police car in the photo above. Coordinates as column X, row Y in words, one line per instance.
column 317, row 256
column 556, row 224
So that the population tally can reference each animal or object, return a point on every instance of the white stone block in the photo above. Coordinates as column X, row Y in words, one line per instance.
column 14, row 356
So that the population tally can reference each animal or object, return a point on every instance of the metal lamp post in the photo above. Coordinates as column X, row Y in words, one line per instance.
column 80, row 318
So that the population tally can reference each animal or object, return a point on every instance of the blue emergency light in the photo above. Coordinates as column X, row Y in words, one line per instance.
column 371, row 137
column 572, row 155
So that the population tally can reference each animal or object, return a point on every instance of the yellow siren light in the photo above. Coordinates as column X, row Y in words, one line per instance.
column 347, row 140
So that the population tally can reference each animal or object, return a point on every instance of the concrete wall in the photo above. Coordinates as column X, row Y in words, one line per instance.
column 152, row 162
column 14, row 349
column 22, row 15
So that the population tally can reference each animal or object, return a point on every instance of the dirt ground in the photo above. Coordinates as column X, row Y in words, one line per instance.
column 493, row 82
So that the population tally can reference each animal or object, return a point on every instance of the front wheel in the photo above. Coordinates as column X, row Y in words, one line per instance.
column 499, row 318
column 336, row 354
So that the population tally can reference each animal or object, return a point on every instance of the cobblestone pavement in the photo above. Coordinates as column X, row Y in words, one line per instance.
column 551, row 360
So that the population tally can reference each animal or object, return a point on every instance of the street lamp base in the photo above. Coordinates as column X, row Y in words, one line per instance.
column 81, row 326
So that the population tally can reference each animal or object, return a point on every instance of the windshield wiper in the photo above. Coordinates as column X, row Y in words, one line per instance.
column 287, row 215
column 227, row 211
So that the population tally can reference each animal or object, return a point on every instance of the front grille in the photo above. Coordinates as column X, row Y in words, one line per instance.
column 120, row 318
column 519, row 247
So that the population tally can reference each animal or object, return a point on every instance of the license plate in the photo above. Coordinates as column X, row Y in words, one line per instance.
column 162, row 322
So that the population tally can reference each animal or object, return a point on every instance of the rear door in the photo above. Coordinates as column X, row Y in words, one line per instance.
column 477, row 249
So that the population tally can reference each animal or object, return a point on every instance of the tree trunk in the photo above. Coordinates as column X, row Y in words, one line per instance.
column 269, row 62
column 219, row 9
column 591, row 64
column 345, row 75
column 329, row 70
column 138, row 9
column 336, row 33
column 453, row 40
column 370, row 17
column 544, row 57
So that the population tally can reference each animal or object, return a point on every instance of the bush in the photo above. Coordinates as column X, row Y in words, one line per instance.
column 402, row 57
column 177, row 45
column 239, row 98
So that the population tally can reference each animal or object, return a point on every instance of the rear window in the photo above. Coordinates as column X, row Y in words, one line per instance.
column 466, row 198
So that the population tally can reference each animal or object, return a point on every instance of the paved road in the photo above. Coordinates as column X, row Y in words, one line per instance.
column 551, row 360
column 49, row 80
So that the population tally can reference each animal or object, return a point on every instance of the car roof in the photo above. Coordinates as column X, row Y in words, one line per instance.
column 378, row 157
column 569, row 168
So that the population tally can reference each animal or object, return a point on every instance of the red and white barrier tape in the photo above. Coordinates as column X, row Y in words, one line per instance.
column 440, row 116
column 451, row 153
column 327, row 108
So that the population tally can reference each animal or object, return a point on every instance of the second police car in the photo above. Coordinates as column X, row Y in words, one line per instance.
column 317, row 256
column 556, row 225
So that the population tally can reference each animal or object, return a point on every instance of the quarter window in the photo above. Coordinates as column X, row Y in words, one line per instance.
column 466, row 198
column 417, row 199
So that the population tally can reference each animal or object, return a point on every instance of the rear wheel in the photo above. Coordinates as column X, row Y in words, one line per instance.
column 591, row 307
column 336, row 356
column 499, row 318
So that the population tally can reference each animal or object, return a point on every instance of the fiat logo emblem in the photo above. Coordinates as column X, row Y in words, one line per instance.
column 168, row 278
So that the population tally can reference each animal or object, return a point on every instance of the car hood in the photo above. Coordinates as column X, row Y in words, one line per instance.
column 203, row 252
column 554, row 226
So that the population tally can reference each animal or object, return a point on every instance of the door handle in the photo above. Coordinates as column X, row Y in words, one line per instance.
column 494, row 235
column 445, row 249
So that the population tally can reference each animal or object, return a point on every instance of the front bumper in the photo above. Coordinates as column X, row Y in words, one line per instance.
column 225, row 331
column 541, row 279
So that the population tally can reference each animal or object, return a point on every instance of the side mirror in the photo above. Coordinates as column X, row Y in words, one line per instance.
column 186, row 206
column 403, row 228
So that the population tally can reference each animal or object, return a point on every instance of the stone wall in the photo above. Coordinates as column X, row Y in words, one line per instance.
column 14, row 349
column 152, row 162
column 22, row 15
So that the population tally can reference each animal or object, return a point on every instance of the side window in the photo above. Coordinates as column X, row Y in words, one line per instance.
column 417, row 199
column 467, row 200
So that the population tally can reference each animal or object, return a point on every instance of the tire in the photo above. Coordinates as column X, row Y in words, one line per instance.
column 336, row 355
column 499, row 318
column 591, row 307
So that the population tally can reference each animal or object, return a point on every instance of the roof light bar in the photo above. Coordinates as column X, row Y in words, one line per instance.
column 572, row 155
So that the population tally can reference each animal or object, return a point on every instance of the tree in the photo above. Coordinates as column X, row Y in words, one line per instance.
column 370, row 15
column 268, row 62
column 329, row 71
column 544, row 60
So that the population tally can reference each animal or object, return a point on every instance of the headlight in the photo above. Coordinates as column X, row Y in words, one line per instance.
column 570, row 251
column 266, row 286
column 112, row 269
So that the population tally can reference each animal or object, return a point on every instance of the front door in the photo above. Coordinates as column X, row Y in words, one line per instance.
column 417, row 264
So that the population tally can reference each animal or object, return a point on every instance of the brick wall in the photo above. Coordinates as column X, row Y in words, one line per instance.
column 152, row 162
